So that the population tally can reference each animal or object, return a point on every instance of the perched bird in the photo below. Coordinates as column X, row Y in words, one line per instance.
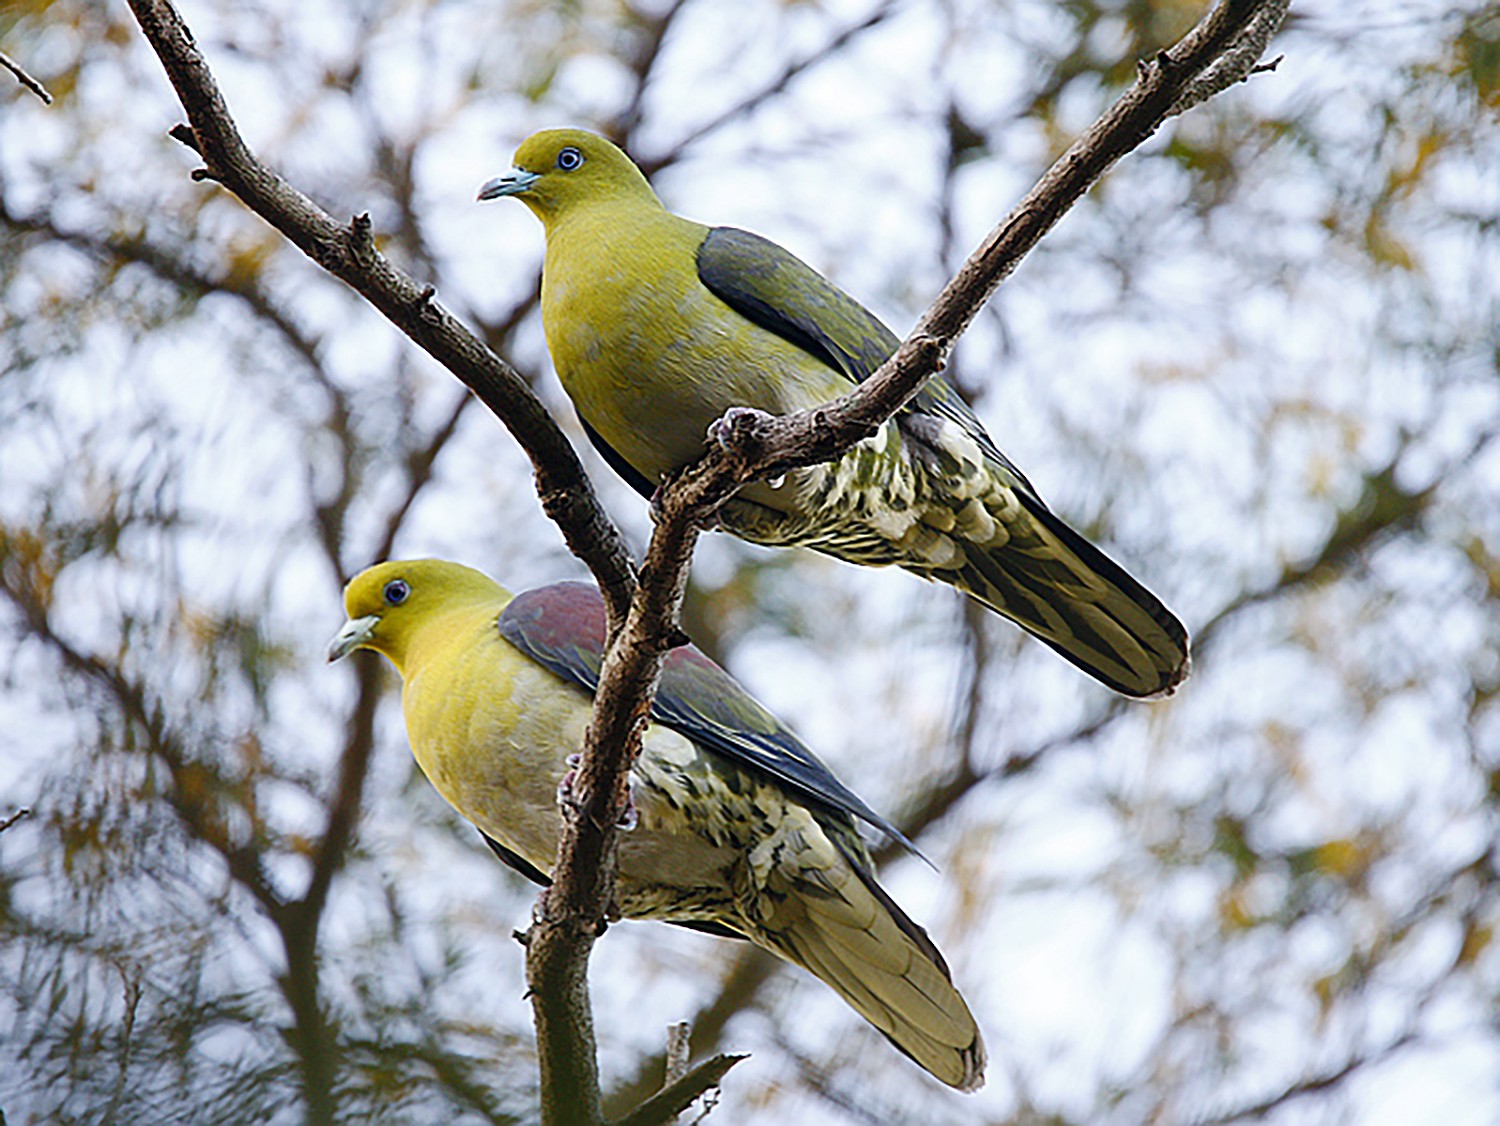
column 736, row 827
column 658, row 325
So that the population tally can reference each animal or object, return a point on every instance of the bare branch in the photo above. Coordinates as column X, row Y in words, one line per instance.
column 643, row 63
column 139, row 707
column 20, row 814
column 676, row 1097
column 774, row 86
column 1384, row 504
column 1240, row 61
column 748, row 973
column 343, row 809
column 348, row 251
column 170, row 267
column 571, row 914
column 1312, row 1085
column 25, row 79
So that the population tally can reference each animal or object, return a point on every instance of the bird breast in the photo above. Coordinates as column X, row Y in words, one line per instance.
column 495, row 740
column 649, row 356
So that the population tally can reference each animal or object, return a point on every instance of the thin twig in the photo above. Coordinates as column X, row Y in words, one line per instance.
column 747, row 975
column 774, row 86
column 25, row 79
column 25, row 812
column 679, row 1038
column 676, row 1097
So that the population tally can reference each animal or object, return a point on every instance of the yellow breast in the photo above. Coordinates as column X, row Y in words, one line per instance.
column 649, row 356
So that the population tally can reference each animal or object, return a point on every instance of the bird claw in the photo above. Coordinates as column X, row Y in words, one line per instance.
column 733, row 426
column 565, row 796
column 658, row 510
column 629, row 818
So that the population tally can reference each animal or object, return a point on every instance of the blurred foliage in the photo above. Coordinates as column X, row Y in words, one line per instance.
column 1261, row 362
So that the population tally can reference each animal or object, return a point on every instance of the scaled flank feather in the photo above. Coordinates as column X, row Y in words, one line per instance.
column 658, row 325
column 739, row 829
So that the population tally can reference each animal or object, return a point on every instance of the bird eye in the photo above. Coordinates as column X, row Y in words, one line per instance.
column 396, row 591
column 569, row 159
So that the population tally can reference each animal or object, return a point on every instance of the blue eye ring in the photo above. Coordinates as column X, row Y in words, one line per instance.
column 396, row 592
column 569, row 159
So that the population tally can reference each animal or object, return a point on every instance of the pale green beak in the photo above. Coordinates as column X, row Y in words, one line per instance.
column 514, row 182
column 356, row 632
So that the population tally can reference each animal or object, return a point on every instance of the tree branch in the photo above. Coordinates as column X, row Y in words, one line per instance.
column 749, row 971
column 751, row 445
column 664, row 1106
column 348, row 252
column 753, row 101
column 20, row 814
column 25, row 79
column 1384, row 504
column 1312, row 1084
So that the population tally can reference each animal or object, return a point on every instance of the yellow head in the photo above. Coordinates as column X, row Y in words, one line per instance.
column 389, row 604
column 558, row 169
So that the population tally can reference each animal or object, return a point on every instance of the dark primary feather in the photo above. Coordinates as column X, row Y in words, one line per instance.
column 628, row 473
column 1026, row 572
column 561, row 627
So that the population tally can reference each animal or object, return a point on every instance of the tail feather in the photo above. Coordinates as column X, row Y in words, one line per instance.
column 838, row 924
column 993, row 539
column 1067, row 592
column 909, row 984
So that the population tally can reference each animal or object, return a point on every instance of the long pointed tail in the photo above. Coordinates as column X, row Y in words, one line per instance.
column 1055, row 584
column 841, row 926
column 954, row 512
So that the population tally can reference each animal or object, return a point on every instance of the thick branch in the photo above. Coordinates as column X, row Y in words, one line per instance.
column 751, row 445
column 569, row 916
column 755, row 445
column 348, row 252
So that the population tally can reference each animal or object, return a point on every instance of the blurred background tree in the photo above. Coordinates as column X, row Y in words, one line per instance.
column 1258, row 363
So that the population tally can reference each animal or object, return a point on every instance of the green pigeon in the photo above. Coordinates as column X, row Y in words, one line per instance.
column 735, row 827
column 659, row 325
